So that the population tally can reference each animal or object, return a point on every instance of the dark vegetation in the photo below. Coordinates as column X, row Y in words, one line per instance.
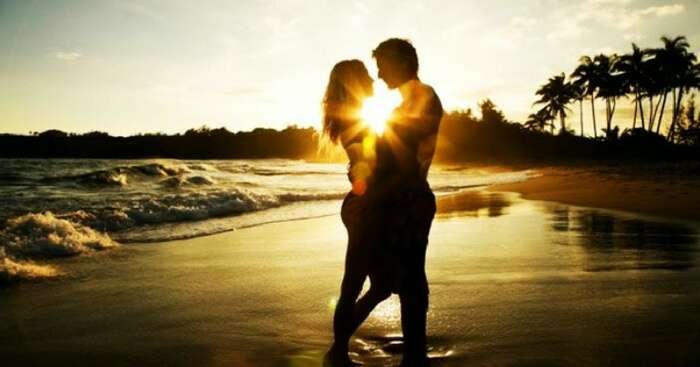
column 200, row 143
column 655, row 80
column 491, row 138
column 648, row 77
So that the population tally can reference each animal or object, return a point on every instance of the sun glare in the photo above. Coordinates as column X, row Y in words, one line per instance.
column 377, row 109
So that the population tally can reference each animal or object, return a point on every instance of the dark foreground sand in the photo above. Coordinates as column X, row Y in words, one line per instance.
column 513, row 283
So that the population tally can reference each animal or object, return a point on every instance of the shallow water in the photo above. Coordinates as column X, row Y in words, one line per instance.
column 513, row 283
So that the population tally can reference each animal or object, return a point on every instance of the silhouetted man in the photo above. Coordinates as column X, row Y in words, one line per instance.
column 405, row 153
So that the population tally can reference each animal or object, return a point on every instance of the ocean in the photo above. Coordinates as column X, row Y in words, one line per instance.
column 55, row 208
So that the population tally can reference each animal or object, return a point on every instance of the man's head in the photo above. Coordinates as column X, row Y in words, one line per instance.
column 397, row 61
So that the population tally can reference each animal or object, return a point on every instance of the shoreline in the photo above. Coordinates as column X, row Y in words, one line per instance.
column 658, row 190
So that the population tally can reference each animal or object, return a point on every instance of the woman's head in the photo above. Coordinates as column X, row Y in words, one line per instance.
column 348, row 85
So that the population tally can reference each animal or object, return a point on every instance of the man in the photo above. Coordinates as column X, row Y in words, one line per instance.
column 409, row 142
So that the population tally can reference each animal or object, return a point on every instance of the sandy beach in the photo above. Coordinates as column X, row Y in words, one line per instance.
column 513, row 283
column 669, row 190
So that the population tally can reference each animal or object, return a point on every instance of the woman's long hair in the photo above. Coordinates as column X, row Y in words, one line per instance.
column 348, row 84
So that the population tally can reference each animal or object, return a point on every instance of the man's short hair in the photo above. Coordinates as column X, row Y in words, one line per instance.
column 399, row 50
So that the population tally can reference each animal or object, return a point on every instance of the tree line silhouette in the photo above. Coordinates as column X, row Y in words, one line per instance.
column 199, row 143
column 463, row 137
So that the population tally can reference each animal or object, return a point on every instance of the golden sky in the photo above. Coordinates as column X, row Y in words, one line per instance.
column 128, row 67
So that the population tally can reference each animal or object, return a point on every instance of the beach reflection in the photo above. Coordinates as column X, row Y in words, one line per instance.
column 473, row 203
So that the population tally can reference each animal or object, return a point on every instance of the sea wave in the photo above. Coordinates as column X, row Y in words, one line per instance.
column 40, row 236
column 179, row 181
column 273, row 172
column 121, row 176
column 297, row 197
column 45, row 236
column 177, row 207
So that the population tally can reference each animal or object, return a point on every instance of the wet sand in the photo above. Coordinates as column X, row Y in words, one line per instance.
column 670, row 190
column 513, row 283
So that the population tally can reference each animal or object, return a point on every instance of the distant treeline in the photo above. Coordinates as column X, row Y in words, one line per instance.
column 200, row 143
column 464, row 137
column 491, row 138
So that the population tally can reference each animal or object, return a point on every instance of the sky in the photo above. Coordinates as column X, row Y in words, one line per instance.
column 128, row 67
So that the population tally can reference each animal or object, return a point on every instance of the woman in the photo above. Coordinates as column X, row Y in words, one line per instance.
column 349, row 84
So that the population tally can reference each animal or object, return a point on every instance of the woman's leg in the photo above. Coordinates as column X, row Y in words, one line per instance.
column 353, row 277
column 350, row 289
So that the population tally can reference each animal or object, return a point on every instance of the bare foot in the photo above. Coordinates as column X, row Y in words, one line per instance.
column 334, row 358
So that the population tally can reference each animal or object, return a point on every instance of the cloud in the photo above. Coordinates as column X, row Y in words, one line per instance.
column 522, row 22
column 573, row 21
column 610, row 1
column 138, row 9
column 242, row 91
column 66, row 55
column 661, row 11
column 361, row 7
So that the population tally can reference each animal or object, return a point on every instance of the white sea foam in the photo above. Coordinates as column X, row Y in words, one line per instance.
column 197, row 206
column 43, row 235
column 12, row 271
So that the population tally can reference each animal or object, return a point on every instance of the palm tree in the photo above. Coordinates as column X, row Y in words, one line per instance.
column 651, row 85
column 611, row 84
column 680, row 72
column 586, row 76
column 556, row 95
column 578, row 91
column 688, row 80
column 539, row 120
column 632, row 67
column 673, row 64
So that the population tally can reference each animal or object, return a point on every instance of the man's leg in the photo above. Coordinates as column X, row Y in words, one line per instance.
column 413, row 290
column 414, row 308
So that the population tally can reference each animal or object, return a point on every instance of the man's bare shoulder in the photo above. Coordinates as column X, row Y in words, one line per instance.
column 423, row 89
column 428, row 96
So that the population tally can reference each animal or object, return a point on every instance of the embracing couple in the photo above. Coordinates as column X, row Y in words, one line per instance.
column 390, row 208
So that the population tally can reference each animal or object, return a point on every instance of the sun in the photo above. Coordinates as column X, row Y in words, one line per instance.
column 377, row 109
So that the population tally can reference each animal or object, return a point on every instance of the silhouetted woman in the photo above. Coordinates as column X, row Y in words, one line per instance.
column 348, row 86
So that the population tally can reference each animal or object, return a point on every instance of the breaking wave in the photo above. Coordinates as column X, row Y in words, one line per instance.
column 12, row 271
column 121, row 176
column 45, row 236
column 40, row 236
